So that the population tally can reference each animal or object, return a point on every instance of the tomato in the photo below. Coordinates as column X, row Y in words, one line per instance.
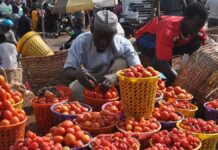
column 107, row 95
column 99, row 95
column 7, row 87
column 16, row 98
column 114, row 94
column 58, row 139
column 33, row 145
column 21, row 117
column 69, row 139
column 78, row 143
column 79, row 134
column 59, row 131
column 146, row 74
column 14, row 120
column 130, row 74
column 4, row 122
column 70, row 130
column 66, row 124
column 2, row 80
column 7, row 115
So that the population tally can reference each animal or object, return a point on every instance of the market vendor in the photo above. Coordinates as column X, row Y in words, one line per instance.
column 95, row 56
column 165, row 36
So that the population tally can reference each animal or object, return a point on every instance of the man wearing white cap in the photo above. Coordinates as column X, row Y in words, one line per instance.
column 95, row 56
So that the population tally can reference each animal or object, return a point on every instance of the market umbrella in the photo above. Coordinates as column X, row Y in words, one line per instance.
column 69, row 6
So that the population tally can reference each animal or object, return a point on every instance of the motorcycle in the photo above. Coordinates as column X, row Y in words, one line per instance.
column 65, row 24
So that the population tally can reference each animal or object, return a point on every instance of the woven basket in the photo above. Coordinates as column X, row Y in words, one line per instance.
column 43, row 115
column 11, row 134
column 138, row 95
column 209, row 141
column 199, row 73
column 12, row 74
column 213, row 33
column 45, row 71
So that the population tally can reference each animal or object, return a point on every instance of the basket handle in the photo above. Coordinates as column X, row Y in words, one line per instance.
column 211, row 92
column 5, row 75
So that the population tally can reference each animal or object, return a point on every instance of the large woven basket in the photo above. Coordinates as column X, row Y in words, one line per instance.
column 45, row 71
column 199, row 73
column 213, row 33
column 12, row 74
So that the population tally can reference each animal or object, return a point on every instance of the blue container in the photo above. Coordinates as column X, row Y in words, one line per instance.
column 59, row 117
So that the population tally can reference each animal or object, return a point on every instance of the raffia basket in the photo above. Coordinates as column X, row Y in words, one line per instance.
column 15, row 75
column 199, row 73
column 45, row 71
column 213, row 33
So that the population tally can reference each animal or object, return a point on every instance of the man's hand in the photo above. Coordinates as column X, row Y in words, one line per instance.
column 86, row 79
column 107, row 82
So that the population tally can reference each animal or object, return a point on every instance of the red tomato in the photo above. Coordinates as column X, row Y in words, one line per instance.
column 99, row 95
column 69, row 139
column 107, row 95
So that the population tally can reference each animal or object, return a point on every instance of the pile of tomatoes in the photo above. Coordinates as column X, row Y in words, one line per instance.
column 96, row 93
column 174, row 140
column 180, row 104
column 199, row 126
column 49, row 98
column 166, row 114
column 8, row 114
column 34, row 142
column 213, row 104
column 6, row 93
column 177, row 93
column 72, row 108
column 97, row 120
column 117, row 141
column 141, row 125
column 69, row 134
column 114, row 107
column 161, row 85
column 139, row 71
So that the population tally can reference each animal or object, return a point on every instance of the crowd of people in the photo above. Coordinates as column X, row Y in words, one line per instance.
column 95, row 56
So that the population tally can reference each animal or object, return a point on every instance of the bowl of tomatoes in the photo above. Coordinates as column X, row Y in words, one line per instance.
column 68, row 111
column 211, row 110
column 167, row 116
column 95, row 98
column 114, row 107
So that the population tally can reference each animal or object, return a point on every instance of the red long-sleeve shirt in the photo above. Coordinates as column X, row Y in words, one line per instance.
column 168, row 35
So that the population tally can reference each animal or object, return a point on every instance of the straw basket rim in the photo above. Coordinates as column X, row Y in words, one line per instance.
column 131, row 78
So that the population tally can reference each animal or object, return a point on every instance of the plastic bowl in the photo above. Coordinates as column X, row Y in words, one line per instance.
column 170, row 124
column 139, row 136
column 210, row 113
column 159, row 98
column 119, row 114
column 197, row 148
column 59, row 117
column 96, row 131
column 94, row 139
column 97, row 103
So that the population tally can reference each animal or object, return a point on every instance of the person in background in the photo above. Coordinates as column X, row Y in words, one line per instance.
column 5, row 28
column 173, row 7
column 165, row 36
column 35, row 19
column 24, row 23
column 212, row 6
column 6, row 8
column 94, row 57
column 8, row 54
